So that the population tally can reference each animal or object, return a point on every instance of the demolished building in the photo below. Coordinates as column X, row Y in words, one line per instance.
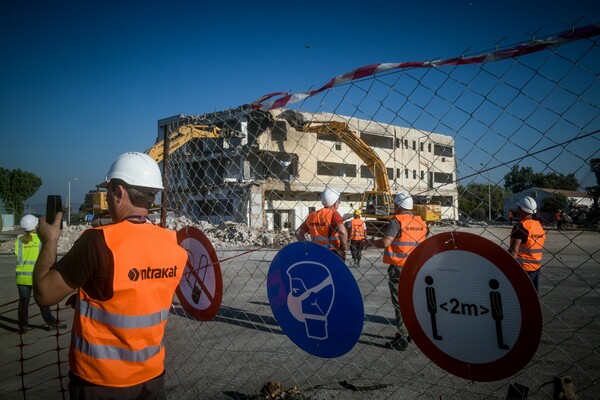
column 270, row 174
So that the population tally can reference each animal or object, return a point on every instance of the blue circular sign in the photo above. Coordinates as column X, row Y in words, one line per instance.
column 315, row 299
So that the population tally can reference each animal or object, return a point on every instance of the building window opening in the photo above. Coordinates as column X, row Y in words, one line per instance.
column 336, row 169
column 441, row 150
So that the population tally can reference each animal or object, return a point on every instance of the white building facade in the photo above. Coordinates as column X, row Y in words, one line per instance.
column 273, row 175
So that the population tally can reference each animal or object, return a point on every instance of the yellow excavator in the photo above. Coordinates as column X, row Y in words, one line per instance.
column 377, row 204
column 187, row 132
column 95, row 201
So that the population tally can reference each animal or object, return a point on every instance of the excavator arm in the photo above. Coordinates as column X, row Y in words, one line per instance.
column 184, row 134
column 360, row 148
column 376, row 204
column 95, row 202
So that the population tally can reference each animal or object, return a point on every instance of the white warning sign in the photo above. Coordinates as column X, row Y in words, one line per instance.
column 470, row 307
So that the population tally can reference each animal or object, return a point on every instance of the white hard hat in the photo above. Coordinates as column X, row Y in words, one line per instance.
column 135, row 169
column 527, row 204
column 329, row 197
column 29, row 222
column 404, row 200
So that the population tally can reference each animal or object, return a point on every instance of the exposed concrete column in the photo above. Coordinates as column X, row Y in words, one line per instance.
column 256, row 207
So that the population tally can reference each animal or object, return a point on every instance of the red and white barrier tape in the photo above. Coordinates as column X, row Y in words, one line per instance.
column 512, row 52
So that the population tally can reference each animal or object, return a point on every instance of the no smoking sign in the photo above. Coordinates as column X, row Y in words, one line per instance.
column 470, row 307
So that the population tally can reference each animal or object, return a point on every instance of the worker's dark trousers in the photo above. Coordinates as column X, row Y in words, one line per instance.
column 393, row 283
column 356, row 249
column 25, row 292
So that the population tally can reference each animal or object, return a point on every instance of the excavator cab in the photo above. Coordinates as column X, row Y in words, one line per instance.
column 377, row 205
column 376, row 208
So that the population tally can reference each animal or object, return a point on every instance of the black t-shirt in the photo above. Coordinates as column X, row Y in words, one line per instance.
column 519, row 232
column 89, row 265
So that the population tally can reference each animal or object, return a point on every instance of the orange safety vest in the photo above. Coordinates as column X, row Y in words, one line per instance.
column 118, row 342
column 413, row 231
column 27, row 254
column 358, row 229
column 320, row 229
column 530, row 252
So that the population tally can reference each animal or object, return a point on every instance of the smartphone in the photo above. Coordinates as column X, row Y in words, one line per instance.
column 53, row 205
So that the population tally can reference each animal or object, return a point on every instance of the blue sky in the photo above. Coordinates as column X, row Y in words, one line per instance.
column 82, row 82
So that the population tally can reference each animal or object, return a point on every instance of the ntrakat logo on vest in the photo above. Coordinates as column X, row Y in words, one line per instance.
column 318, row 223
column 152, row 273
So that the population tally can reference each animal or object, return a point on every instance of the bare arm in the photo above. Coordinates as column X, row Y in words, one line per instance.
column 301, row 233
column 341, row 230
column 381, row 243
column 49, row 288
column 514, row 246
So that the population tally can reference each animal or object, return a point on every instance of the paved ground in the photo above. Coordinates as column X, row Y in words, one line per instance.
column 243, row 347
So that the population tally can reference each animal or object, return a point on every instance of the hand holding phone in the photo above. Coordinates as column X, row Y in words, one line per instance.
column 53, row 206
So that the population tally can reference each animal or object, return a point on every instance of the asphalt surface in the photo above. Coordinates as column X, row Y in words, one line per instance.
column 243, row 347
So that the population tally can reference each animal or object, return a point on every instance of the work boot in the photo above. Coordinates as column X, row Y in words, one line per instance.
column 398, row 343
column 56, row 324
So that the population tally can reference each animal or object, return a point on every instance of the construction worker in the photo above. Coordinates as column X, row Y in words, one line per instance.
column 125, row 274
column 326, row 226
column 510, row 216
column 358, row 235
column 527, row 239
column 558, row 217
column 27, row 249
column 403, row 233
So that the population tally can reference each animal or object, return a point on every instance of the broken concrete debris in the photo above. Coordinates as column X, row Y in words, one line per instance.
column 225, row 235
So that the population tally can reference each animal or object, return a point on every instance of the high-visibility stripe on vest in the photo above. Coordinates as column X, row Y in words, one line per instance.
column 357, row 229
column 118, row 342
column 320, row 229
column 530, row 252
column 413, row 231
column 27, row 254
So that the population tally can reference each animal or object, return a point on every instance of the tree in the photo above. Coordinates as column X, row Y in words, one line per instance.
column 522, row 178
column 556, row 181
column 558, row 201
column 593, row 217
column 594, row 191
column 16, row 186
column 473, row 200
column 595, row 166
column 519, row 179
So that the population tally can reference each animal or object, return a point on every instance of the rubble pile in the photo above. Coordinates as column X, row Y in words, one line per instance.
column 225, row 235
column 234, row 235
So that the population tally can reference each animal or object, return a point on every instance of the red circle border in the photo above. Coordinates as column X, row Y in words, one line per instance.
column 208, row 313
column 531, row 315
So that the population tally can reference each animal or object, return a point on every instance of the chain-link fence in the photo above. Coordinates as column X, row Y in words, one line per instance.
column 466, row 137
